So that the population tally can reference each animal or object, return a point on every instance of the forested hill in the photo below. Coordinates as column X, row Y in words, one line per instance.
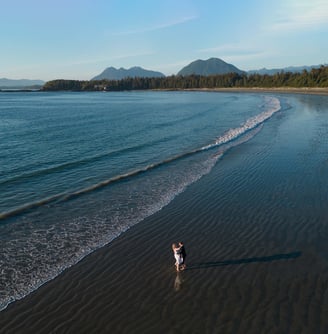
column 315, row 78
column 212, row 66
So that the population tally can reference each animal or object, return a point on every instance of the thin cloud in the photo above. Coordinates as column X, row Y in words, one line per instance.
column 155, row 27
column 245, row 57
column 110, row 58
column 300, row 15
column 230, row 49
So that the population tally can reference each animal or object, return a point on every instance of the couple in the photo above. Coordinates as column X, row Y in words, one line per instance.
column 179, row 255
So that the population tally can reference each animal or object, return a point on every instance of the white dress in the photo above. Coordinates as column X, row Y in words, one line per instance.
column 178, row 257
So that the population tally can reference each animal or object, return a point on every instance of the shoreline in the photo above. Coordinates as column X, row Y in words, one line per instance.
column 280, row 90
column 120, row 288
column 283, row 90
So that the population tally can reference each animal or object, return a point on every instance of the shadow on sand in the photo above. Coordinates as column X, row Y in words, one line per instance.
column 271, row 258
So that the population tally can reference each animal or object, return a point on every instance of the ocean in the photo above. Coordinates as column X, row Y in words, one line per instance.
column 79, row 169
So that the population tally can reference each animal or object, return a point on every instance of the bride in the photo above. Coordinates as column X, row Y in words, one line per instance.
column 177, row 255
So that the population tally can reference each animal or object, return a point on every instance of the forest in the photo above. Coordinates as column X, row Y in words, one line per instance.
column 317, row 77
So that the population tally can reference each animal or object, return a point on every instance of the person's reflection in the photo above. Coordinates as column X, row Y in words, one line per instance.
column 178, row 282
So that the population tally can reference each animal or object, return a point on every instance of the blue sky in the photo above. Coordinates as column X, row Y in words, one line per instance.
column 78, row 39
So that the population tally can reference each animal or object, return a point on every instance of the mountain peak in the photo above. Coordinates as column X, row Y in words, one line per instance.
column 111, row 73
column 211, row 66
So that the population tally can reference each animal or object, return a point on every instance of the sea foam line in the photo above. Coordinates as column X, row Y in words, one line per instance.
column 272, row 103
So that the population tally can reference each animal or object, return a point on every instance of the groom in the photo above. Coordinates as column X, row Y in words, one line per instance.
column 183, row 255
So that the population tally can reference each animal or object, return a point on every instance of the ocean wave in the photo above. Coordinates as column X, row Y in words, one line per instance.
column 272, row 105
column 21, row 176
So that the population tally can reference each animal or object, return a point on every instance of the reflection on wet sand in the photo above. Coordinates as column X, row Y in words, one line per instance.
column 178, row 282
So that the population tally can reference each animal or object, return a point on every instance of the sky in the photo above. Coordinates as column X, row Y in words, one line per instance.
column 78, row 39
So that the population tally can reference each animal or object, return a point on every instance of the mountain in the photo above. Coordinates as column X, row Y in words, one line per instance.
column 293, row 69
column 111, row 73
column 20, row 83
column 211, row 66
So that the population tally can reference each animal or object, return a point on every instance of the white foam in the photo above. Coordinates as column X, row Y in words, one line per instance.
column 272, row 105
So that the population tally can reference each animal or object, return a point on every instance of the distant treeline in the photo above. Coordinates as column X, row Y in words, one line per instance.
column 315, row 78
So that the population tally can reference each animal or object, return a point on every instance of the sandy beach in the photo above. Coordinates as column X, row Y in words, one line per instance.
column 251, row 268
column 280, row 90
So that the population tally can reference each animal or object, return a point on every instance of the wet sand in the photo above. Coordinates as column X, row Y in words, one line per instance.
column 249, row 270
column 280, row 90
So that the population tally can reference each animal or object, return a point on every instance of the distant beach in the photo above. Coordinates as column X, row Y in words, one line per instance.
column 282, row 90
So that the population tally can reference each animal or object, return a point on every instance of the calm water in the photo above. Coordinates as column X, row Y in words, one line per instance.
column 78, row 169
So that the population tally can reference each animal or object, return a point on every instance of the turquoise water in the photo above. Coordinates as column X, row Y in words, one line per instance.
column 78, row 169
